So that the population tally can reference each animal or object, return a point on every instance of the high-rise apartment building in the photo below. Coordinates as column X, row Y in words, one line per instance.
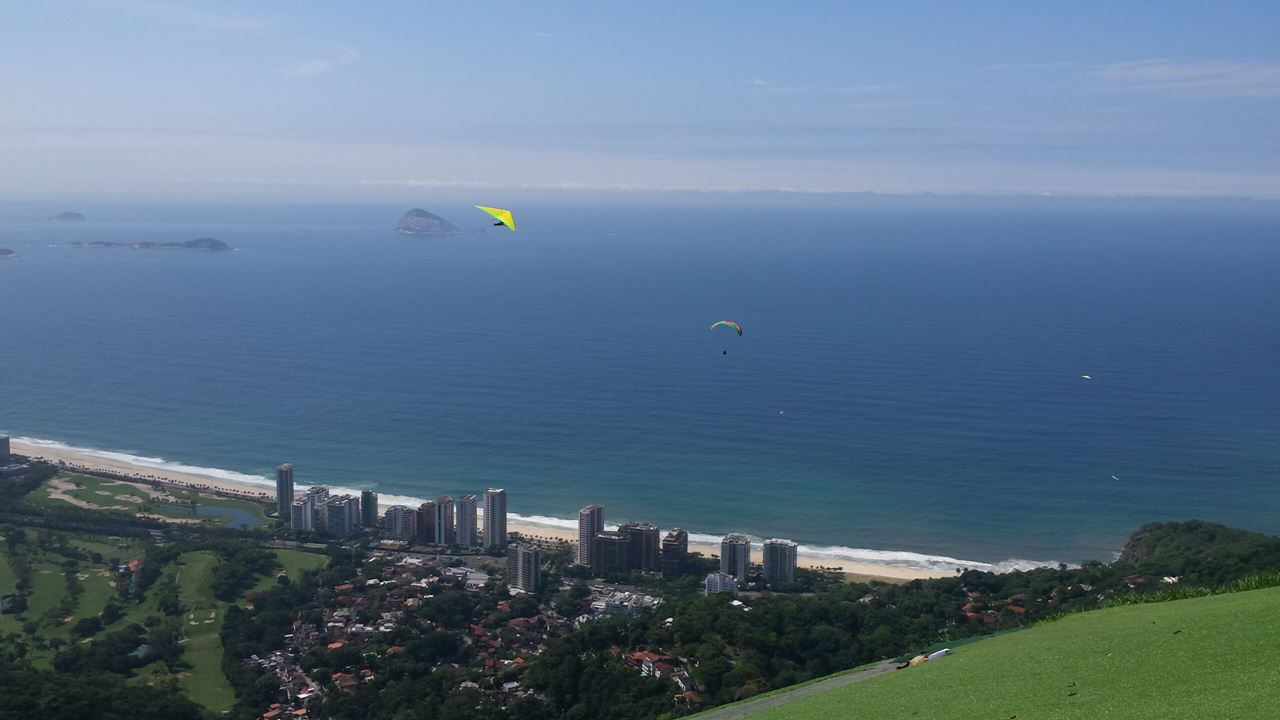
column 369, row 509
column 401, row 522
column 342, row 516
column 735, row 556
column 300, row 518
column 495, row 517
column 445, row 531
column 590, row 524
column 5, row 456
column 675, row 548
column 779, row 561
column 465, row 529
column 524, row 567
column 284, row 490
column 644, row 545
column 427, row 523
column 610, row 553
column 315, row 497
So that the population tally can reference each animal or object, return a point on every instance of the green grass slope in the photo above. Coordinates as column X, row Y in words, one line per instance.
column 201, row 645
column 1207, row 657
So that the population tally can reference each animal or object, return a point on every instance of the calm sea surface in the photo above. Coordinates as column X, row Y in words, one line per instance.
column 909, row 379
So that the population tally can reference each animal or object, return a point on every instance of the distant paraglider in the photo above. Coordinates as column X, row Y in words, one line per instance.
column 504, row 217
column 727, row 323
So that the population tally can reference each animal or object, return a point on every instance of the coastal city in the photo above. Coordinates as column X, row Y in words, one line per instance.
column 455, row 522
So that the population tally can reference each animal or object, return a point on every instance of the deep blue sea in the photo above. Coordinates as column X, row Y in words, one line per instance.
column 909, row 378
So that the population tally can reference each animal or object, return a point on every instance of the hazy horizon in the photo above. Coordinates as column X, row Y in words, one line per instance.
column 154, row 101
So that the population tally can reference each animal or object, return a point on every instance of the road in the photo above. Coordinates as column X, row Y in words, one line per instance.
column 747, row 708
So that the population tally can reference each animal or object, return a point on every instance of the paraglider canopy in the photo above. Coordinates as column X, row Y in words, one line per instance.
column 727, row 323
column 503, row 217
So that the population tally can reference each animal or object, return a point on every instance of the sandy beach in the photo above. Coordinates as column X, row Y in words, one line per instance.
column 75, row 458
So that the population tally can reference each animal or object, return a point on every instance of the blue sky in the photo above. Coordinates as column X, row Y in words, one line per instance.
column 297, row 100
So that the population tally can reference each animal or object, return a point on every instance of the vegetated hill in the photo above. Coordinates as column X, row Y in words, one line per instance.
column 420, row 222
column 1207, row 657
column 1201, row 552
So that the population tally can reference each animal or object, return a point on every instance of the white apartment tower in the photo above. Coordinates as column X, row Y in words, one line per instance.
column 590, row 524
column 735, row 556
column 524, row 567
column 495, row 517
column 779, row 561
column 466, row 528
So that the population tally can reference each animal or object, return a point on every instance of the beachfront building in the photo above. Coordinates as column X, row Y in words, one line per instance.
column 524, row 567
column 644, row 545
column 445, row 532
column 590, row 524
column 611, row 552
column 427, row 522
column 720, row 582
column 495, row 518
column 779, row 561
column 369, row 508
column 315, row 497
column 735, row 556
column 5, row 457
column 300, row 518
column 465, row 530
column 284, row 490
column 401, row 522
column 342, row 516
column 675, row 548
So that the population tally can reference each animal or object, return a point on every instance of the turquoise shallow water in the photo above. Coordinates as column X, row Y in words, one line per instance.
column 909, row 379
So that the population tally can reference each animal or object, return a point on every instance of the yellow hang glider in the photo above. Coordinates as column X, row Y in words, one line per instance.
column 503, row 217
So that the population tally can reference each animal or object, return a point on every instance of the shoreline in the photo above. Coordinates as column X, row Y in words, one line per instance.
column 262, row 489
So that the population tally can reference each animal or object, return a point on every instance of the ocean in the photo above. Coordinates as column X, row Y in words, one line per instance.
column 909, row 379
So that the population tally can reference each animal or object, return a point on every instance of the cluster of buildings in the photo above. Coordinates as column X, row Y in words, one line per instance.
column 633, row 546
column 735, row 563
column 452, row 521
column 443, row 521
column 318, row 511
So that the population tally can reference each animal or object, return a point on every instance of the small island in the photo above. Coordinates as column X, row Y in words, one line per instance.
column 420, row 222
column 6, row 252
column 69, row 217
column 205, row 244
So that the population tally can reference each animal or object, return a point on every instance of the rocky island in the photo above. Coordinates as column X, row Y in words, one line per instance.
column 420, row 222
column 6, row 252
column 68, row 217
column 207, row 244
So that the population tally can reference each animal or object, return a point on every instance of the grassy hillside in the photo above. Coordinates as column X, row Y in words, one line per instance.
column 1207, row 657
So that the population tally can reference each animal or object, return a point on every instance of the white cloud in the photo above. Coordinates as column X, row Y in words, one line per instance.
column 1209, row 78
column 341, row 55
